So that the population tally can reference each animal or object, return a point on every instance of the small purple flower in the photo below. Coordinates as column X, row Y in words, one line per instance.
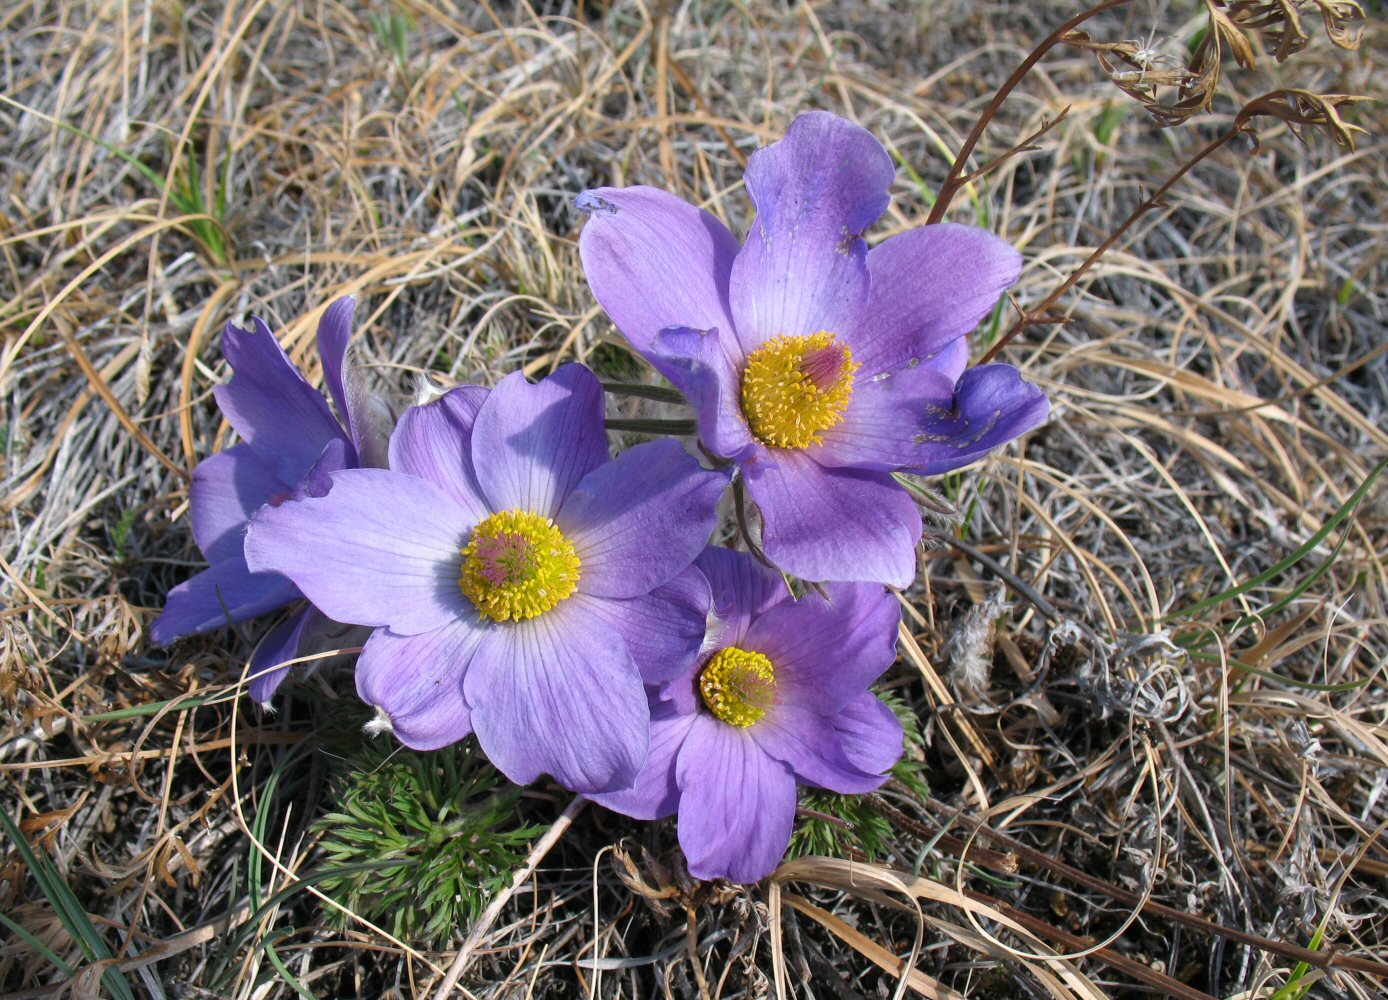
column 780, row 697
column 290, row 442
column 816, row 365
column 521, row 583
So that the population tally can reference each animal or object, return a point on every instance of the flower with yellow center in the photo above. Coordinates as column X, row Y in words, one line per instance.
column 518, row 565
column 795, row 388
column 738, row 686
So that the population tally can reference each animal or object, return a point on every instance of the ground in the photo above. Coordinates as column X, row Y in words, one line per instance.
column 1146, row 662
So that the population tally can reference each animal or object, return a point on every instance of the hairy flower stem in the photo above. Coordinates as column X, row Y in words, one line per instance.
column 670, row 428
column 659, row 393
column 956, row 177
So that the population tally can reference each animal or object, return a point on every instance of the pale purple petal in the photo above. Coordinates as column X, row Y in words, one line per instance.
column 417, row 681
column 930, row 286
column 531, row 444
column 559, row 694
column 992, row 405
column 742, row 589
column 809, row 744
column 269, row 666
column 737, row 804
column 834, row 524
column 870, row 733
column 434, row 442
column 380, row 549
column 654, row 260
column 803, row 268
column 223, row 593
column 655, row 793
column 697, row 363
column 367, row 416
column 271, row 405
column 827, row 651
column 334, row 335
column 227, row 488
column 663, row 630
column 884, row 420
column 640, row 519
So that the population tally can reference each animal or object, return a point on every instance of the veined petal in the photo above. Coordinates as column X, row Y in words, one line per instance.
column 992, row 405
column 655, row 793
column 380, row 549
column 737, row 803
column 434, row 442
column 706, row 365
column 367, row 417
column 808, row 743
column 223, row 593
column 804, row 266
column 417, row 681
column 834, row 524
column 227, row 488
column 559, row 694
column 870, row 732
column 653, row 260
column 827, row 651
column 883, row 420
column 742, row 589
column 663, row 630
column 638, row 520
column 271, row 404
column 531, row 444
column 930, row 286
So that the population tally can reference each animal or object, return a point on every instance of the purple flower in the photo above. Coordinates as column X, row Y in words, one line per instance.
column 290, row 442
column 520, row 582
column 780, row 697
column 817, row 366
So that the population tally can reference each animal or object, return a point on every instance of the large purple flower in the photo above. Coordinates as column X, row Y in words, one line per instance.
column 521, row 584
column 816, row 365
column 781, row 697
column 290, row 441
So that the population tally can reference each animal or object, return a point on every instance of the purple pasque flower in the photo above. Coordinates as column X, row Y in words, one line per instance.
column 818, row 366
column 290, row 441
column 780, row 696
column 521, row 583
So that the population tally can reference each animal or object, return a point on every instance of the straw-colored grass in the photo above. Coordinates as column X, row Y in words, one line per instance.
column 1156, row 790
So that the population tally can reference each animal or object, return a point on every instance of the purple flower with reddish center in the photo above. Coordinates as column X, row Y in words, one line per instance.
column 522, row 584
column 818, row 366
column 779, row 696
column 290, row 441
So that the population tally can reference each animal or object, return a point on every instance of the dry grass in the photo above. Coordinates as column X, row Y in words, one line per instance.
column 1197, row 811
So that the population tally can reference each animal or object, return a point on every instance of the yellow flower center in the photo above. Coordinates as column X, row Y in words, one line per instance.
column 793, row 388
column 517, row 565
column 738, row 686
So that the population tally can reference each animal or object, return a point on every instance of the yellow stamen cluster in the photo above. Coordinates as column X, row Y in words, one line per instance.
column 517, row 565
column 738, row 686
column 795, row 387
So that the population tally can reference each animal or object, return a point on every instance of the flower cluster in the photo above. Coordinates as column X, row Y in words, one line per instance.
column 514, row 580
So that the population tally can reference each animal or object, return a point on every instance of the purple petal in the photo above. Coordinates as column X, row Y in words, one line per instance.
column 804, row 266
column 380, row 549
column 640, row 519
column 827, row 652
column 271, row 405
column 223, row 593
column 655, row 793
column 742, row 589
column 434, row 442
column 834, row 524
column 885, row 419
column 870, row 733
column 367, row 417
column 809, row 744
column 531, row 444
column 334, row 335
column 663, row 630
column 992, row 405
column 227, row 489
column 279, row 645
column 417, row 681
column 930, row 286
column 559, row 694
column 737, row 804
column 653, row 261
column 706, row 366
